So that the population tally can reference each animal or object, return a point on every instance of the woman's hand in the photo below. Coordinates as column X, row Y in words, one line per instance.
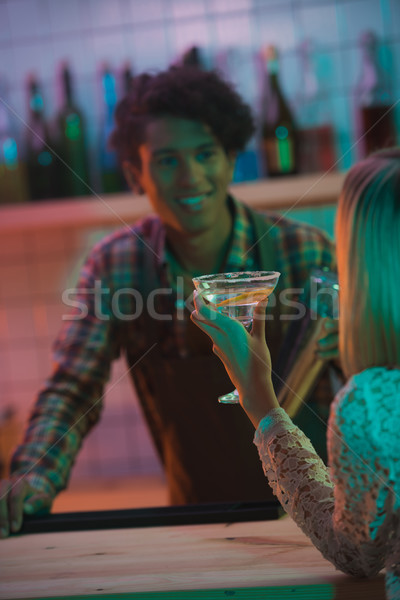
column 245, row 355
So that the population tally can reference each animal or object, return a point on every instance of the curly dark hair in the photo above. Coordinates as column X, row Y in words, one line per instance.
column 185, row 92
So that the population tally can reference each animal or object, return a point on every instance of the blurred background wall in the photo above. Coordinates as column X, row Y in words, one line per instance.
column 36, row 35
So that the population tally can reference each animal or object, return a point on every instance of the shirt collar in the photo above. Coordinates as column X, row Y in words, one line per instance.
column 240, row 258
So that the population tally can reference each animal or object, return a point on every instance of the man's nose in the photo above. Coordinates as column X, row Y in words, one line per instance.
column 190, row 172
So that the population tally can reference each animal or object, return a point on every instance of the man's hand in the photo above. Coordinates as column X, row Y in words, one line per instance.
column 17, row 497
column 328, row 344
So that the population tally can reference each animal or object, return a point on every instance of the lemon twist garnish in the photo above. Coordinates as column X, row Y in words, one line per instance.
column 254, row 295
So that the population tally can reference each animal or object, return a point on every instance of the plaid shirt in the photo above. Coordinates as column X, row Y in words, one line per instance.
column 71, row 400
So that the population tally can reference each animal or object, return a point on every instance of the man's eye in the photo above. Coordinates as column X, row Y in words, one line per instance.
column 167, row 161
column 205, row 155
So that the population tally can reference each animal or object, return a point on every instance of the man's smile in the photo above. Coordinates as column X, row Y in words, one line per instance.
column 192, row 201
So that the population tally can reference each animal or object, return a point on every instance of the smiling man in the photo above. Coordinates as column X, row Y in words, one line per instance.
column 185, row 172
column 177, row 135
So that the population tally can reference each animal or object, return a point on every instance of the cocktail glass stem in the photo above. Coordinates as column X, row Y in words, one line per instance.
column 233, row 397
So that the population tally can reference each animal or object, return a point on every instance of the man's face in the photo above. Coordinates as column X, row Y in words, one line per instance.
column 185, row 173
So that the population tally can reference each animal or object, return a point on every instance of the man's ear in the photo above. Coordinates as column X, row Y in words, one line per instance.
column 232, row 156
column 132, row 176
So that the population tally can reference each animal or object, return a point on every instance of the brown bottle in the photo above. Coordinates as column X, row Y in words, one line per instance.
column 316, row 147
column 278, row 131
column 375, row 117
column 126, row 77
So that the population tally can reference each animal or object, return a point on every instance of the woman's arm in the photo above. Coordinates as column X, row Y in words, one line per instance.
column 337, row 520
column 333, row 517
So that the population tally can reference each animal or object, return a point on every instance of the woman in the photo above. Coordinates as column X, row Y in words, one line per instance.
column 351, row 512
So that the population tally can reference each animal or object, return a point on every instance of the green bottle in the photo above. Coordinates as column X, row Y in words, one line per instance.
column 278, row 130
column 40, row 160
column 73, row 165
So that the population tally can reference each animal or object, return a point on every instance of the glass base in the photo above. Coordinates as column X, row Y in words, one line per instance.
column 231, row 398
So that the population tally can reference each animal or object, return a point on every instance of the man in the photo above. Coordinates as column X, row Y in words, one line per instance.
column 177, row 135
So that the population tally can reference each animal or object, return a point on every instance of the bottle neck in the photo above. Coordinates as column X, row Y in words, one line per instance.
column 272, row 66
column 67, row 84
column 109, row 94
column 272, row 71
column 127, row 78
column 4, row 121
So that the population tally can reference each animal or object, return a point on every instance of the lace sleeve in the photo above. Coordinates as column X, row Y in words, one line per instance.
column 303, row 486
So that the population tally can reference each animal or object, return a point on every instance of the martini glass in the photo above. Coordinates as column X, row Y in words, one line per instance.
column 236, row 295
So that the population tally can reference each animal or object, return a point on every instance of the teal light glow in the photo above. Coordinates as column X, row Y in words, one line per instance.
column 73, row 127
column 319, row 591
column 10, row 153
column 281, row 132
column 45, row 159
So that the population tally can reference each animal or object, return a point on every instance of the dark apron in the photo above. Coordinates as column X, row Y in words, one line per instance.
column 206, row 448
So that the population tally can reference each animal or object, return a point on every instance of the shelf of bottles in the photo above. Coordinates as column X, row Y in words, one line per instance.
column 50, row 160
column 292, row 137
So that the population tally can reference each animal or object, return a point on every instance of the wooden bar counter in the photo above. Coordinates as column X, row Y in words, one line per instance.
column 242, row 560
column 284, row 194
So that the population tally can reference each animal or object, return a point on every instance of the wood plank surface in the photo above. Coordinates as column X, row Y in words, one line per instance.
column 269, row 559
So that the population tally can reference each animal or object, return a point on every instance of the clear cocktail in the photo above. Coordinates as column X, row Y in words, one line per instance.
column 236, row 295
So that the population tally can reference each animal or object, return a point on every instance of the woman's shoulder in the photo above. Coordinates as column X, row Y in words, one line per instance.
column 376, row 380
column 373, row 388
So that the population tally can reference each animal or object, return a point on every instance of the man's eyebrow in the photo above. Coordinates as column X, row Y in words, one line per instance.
column 172, row 150
column 163, row 151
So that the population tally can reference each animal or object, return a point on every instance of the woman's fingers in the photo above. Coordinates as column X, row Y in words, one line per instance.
column 203, row 324
column 258, row 328
column 216, row 351
column 209, row 319
column 198, row 301
column 204, row 313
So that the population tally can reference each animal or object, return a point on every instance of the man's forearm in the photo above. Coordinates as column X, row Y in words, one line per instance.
column 51, row 442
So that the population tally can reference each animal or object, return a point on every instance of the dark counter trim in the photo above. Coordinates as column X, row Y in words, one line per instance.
column 153, row 517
